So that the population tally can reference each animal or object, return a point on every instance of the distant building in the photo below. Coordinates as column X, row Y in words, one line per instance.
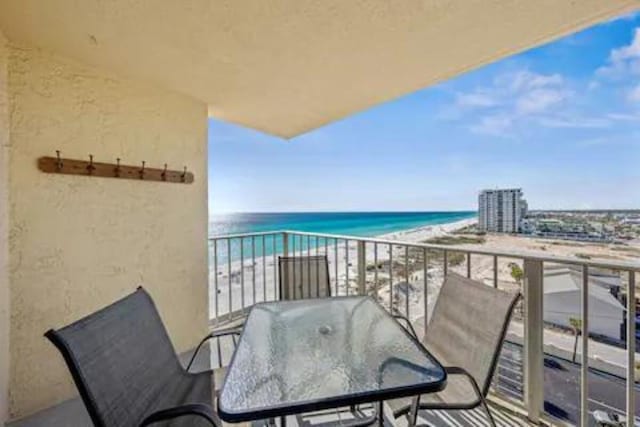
column 501, row 211
column 562, row 290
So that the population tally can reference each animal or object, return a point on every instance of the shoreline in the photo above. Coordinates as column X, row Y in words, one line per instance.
column 425, row 232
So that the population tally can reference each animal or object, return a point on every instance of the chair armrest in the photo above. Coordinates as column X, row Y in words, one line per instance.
column 224, row 332
column 456, row 370
column 193, row 409
column 452, row 370
column 409, row 326
column 215, row 334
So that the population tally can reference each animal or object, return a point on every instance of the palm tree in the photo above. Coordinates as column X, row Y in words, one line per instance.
column 516, row 272
column 576, row 324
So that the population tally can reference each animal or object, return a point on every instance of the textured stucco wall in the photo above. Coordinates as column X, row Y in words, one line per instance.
column 4, row 227
column 77, row 243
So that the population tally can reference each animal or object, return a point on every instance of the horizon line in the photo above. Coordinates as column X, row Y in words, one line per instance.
column 418, row 211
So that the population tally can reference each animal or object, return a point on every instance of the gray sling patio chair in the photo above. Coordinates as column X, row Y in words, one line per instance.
column 127, row 372
column 308, row 277
column 304, row 277
column 466, row 332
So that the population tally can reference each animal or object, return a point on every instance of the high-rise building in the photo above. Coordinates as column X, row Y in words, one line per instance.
column 501, row 211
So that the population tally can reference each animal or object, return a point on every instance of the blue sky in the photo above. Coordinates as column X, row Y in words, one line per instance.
column 562, row 121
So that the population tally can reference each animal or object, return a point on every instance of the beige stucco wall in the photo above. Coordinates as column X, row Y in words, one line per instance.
column 77, row 243
column 4, row 230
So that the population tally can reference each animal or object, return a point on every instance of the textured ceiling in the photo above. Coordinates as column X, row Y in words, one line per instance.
column 288, row 66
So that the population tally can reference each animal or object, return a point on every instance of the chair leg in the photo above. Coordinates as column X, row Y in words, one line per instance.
column 413, row 414
column 488, row 412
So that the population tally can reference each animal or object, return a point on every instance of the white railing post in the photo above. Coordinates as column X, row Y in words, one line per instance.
column 284, row 289
column 445, row 261
column 285, row 244
column 631, row 348
column 362, row 268
column 584, row 371
column 215, row 278
column 242, row 302
column 229, row 278
column 425, row 272
column 346, row 266
column 533, row 336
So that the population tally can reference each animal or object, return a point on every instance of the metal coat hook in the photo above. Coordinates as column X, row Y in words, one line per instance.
column 90, row 167
column 59, row 161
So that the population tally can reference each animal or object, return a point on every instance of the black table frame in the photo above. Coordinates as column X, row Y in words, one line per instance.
column 340, row 400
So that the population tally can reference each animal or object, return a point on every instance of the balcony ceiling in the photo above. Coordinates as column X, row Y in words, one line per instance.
column 288, row 66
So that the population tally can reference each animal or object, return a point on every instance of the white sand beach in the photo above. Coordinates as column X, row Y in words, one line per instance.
column 421, row 234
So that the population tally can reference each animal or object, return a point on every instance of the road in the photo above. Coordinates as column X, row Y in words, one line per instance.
column 562, row 385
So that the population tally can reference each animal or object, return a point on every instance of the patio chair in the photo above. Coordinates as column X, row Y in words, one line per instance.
column 308, row 277
column 127, row 372
column 465, row 334
column 304, row 277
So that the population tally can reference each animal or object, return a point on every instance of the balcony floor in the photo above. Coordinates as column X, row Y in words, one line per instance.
column 73, row 413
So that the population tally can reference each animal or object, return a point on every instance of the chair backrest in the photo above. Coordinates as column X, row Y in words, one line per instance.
column 468, row 326
column 304, row 277
column 121, row 359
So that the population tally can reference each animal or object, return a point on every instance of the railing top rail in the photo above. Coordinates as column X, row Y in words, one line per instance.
column 245, row 235
column 600, row 263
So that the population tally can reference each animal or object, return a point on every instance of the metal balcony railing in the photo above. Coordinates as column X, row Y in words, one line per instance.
column 405, row 278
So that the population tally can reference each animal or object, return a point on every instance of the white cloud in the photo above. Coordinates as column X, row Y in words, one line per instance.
column 540, row 100
column 476, row 99
column 496, row 125
column 513, row 97
column 634, row 94
column 623, row 65
column 623, row 61
column 574, row 122
column 524, row 97
column 627, row 52
column 525, row 80
column 626, row 117
column 533, row 90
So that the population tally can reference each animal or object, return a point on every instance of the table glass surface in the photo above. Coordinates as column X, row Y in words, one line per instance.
column 322, row 352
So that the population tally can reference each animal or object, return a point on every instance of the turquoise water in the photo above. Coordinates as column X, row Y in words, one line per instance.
column 353, row 223
column 364, row 224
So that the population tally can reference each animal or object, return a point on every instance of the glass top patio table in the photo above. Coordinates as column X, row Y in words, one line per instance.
column 307, row 355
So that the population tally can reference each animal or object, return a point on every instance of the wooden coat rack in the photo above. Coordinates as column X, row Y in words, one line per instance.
column 112, row 170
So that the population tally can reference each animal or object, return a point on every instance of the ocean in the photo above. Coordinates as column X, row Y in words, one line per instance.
column 364, row 224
